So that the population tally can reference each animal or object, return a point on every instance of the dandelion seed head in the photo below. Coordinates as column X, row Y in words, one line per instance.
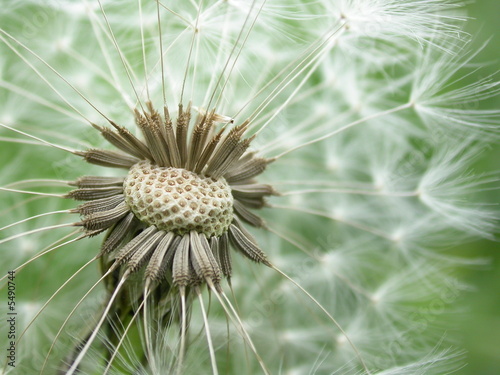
column 366, row 82
column 174, row 199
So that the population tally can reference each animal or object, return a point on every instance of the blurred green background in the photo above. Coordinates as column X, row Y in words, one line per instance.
column 479, row 326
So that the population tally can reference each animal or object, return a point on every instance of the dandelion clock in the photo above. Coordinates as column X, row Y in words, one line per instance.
column 237, row 187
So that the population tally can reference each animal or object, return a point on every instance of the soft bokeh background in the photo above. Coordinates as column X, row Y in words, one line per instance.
column 479, row 330
column 478, row 326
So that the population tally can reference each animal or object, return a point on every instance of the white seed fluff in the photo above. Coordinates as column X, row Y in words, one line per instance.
column 178, row 200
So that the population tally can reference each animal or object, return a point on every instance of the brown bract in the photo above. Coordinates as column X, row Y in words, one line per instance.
column 144, row 230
